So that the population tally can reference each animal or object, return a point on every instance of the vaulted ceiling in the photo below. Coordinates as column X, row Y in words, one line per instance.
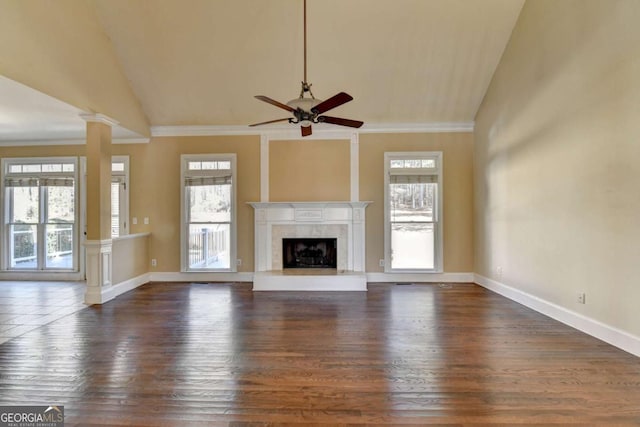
column 200, row 62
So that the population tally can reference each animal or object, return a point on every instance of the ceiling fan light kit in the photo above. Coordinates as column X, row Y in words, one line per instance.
column 306, row 110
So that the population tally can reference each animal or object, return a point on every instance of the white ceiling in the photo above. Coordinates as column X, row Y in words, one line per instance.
column 28, row 116
column 200, row 62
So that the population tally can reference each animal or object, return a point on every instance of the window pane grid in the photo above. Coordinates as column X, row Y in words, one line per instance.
column 38, row 168
column 412, row 163
column 209, row 165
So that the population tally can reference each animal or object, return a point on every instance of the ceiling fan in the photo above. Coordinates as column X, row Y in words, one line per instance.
column 307, row 110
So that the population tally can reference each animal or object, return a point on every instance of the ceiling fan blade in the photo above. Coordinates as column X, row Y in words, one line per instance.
column 274, row 102
column 306, row 130
column 333, row 102
column 340, row 121
column 270, row 121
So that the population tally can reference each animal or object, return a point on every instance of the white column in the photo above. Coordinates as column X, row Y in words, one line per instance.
column 98, row 249
column 98, row 256
column 262, row 241
column 358, row 230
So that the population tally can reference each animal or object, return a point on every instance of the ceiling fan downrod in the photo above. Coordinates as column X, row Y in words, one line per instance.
column 306, row 111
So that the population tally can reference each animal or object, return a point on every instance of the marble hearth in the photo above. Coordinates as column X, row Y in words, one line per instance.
column 344, row 221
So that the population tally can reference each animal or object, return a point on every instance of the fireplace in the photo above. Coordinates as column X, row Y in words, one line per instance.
column 332, row 230
column 309, row 253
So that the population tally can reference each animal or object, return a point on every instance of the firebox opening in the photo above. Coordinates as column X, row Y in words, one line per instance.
column 309, row 253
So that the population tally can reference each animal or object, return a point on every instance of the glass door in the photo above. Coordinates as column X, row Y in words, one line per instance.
column 41, row 214
column 23, row 226
column 59, row 227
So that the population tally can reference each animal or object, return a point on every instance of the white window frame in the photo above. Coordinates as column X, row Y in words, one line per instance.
column 5, row 212
column 184, row 228
column 122, row 178
column 437, row 172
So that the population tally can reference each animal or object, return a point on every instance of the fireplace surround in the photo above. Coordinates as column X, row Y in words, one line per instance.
column 342, row 221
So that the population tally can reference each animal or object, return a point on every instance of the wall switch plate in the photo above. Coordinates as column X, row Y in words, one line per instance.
column 134, row 220
column 238, row 261
column 146, row 220
column 381, row 263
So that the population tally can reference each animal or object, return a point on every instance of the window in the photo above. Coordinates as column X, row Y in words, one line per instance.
column 413, row 208
column 208, row 232
column 119, row 196
column 40, row 214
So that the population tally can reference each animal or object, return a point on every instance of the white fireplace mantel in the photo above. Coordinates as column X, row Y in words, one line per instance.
column 344, row 221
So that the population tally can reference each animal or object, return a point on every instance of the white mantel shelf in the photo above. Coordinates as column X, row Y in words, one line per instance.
column 342, row 220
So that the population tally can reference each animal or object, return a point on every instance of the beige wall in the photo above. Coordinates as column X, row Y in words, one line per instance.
column 457, row 152
column 155, row 191
column 60, row 48
column 49, row 151
column 309, row 170
column 155, row 186
column 557, row 150
column 130, row 258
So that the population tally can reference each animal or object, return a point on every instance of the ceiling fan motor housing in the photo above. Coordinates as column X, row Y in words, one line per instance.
column 303, row 113
column 304, row 104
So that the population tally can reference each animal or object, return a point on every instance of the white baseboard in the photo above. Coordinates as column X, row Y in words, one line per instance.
column 95, row 295
column 421, row 277
column 370, row 277
column 168, row 276
column 604, row 332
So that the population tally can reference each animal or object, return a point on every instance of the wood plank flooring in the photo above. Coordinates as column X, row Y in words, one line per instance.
column 218, row 354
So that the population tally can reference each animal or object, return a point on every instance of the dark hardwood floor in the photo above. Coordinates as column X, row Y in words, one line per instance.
column 219, row 354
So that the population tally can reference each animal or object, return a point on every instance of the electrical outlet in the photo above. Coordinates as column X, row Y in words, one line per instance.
column 499, row 271
column 154, row 262
column 238, row 262
column 381, row 263
column 582, row 298
column 134, row 220
column 146, row 220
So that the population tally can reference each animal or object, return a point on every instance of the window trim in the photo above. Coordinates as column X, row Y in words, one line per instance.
column 122, row 177
column 438, row 229
column 184, row 232
column 5, row 213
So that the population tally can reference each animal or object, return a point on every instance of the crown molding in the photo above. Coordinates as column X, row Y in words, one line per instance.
column 319, row 132
column 42, row 142
column 69, row 141
column 277, row 132
column 99, row 118
column 158, row 131
column 433, row 127
column 131, row 140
